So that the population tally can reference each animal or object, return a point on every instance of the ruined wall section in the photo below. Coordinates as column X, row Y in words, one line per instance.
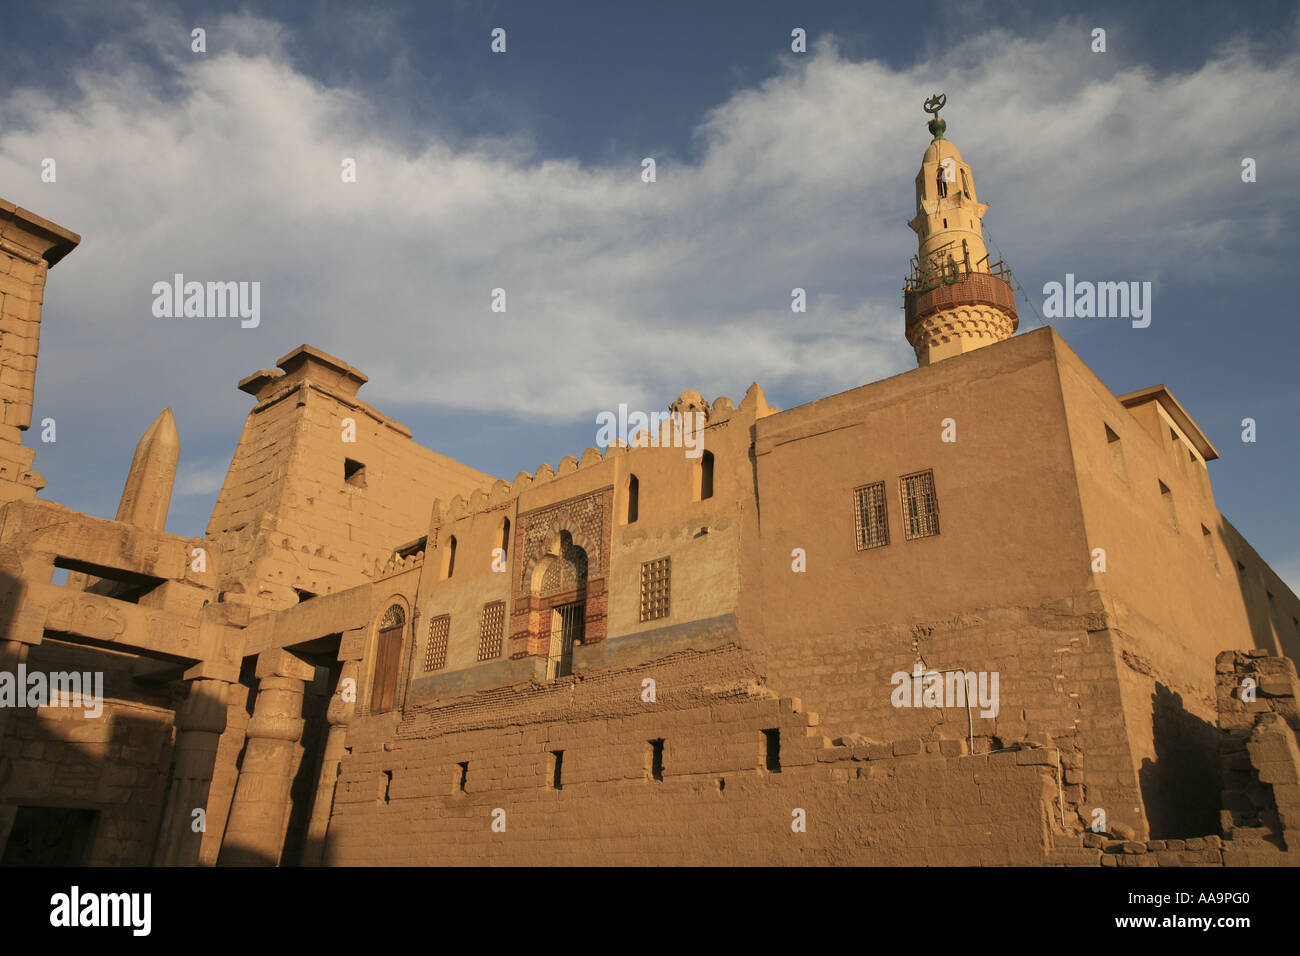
column 1259, row 751
column 687, row 780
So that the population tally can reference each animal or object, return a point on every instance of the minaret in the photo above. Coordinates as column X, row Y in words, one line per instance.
column 955, row 300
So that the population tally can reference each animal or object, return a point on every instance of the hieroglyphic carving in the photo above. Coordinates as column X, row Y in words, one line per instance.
column 91, row 618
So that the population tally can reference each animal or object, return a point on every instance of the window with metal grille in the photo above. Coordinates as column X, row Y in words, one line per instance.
column 920, row 506
column 491, row 626
column 655, row 589
column 568, row 628
column 435, row 651
column 870, row 517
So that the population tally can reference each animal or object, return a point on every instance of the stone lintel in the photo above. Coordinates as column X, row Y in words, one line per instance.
column 282, row 663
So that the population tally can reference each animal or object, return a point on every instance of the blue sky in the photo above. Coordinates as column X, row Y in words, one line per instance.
column 522, row 171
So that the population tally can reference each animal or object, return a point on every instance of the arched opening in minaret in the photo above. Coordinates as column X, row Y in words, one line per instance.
column 965, row 185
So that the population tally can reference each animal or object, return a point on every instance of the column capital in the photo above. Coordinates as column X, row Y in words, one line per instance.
column 279, row 662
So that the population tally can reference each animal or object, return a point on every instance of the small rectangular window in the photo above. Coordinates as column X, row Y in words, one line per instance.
column 435, row 649
column 1209, row 546
column 1116, row 454
column 354, row 473
column 1171, row 513
column 462, row 775
column 656, row 591
column 491, row 628
column 557, row 768
column 655, row 760
column 772, row 750
column 870, row 518
column 920, row 505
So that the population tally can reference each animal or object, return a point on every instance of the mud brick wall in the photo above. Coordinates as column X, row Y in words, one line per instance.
column 716, row 804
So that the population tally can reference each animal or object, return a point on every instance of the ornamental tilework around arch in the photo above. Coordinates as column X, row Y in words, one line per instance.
column 584, row 518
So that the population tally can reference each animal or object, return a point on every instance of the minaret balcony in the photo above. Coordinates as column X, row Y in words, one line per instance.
column 968, row 288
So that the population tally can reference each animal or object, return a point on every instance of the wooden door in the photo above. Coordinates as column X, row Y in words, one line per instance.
column 388, row 655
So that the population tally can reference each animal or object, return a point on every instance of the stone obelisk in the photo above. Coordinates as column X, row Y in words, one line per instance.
column 148, row 491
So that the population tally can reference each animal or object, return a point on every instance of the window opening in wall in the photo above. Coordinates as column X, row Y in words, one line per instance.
column 920, row 505
column 633, row 502
column 354, row 473
column 1209, row 546
column 435, row 650
column 387, row 784
column 505, row 538
column 704, row 477
column 870, row 518
column 772, row 750
column 491, row 630
column 655, row 760
column 464, row 775
column 449, row 557
column 1170, row 512
column 568, row 623
column 656, row 589
column 557, row 769
column 1116, row 454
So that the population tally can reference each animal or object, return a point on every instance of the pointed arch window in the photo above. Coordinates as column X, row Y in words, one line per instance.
column 704, row 477
column 449, row 557
column 632, row 500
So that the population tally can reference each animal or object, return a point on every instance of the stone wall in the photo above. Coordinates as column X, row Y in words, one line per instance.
column 717, row 802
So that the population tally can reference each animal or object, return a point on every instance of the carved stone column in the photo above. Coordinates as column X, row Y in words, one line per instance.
column 255, row 828
column 12, row 653
column 341, row 707
column 199, row 724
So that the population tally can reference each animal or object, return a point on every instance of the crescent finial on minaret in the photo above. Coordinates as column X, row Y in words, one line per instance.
column 932, row 106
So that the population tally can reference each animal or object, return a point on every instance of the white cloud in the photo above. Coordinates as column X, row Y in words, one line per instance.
column 617, row 290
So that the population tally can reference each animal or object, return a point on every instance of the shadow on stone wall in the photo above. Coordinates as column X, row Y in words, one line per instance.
column 1181, row 787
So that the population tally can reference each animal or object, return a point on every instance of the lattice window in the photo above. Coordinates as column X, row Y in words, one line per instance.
column 870, row 517
column 491, row 629
column 393, row 617
column 435, row 650
column 655, row 589
column 920, row 506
